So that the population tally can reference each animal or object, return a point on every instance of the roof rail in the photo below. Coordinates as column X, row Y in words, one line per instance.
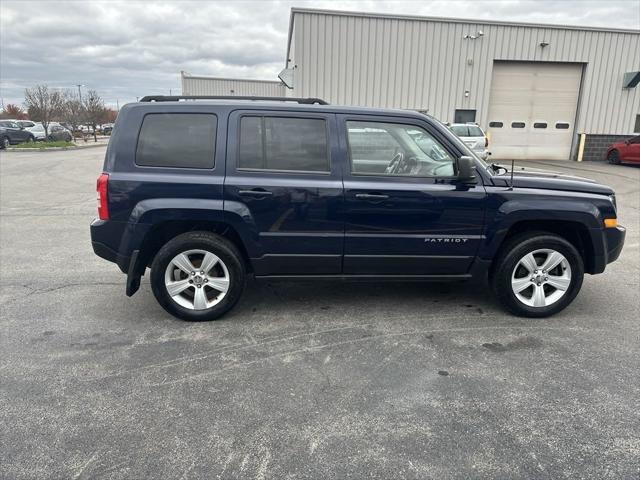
column 175, row 98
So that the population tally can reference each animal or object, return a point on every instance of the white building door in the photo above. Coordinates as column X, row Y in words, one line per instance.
column 532, row 109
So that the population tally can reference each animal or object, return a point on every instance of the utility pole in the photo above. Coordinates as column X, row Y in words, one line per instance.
column 80, row 91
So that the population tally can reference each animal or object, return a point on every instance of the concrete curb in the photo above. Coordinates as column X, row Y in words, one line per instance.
column 55, row 149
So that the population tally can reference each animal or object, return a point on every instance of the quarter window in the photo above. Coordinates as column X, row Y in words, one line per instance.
column 562, row 126
column 517, row 125
column 177, row 140
column 286, row 144
column 391, row 149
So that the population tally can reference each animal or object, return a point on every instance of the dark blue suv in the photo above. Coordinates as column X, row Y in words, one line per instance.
column 206, row 191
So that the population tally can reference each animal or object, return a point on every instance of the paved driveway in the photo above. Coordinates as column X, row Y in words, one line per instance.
column 301, row 380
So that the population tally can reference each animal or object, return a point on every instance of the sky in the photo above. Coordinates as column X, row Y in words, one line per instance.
column 124, row 50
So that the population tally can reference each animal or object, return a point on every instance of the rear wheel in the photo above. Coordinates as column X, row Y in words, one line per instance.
column 5, row 143
column 538, row 275
column 31, row 139
column 198, row 276
column 613, row 157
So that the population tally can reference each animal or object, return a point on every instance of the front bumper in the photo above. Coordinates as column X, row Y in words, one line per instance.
column 615, row 242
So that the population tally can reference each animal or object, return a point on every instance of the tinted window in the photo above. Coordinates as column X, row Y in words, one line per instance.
column 278, row 143
column 496, row 124
column 181, row 140
column 396, row 150
column 540, row 125
column 517, row 125
column 562, row 126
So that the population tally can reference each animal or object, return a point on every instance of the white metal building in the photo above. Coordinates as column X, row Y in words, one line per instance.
column 535, row 88
column 201, row 85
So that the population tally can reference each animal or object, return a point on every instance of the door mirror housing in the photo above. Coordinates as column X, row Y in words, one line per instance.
column 466, row 169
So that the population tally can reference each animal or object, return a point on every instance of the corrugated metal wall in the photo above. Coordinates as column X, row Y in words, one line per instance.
column 426, row 64
column 194, row 85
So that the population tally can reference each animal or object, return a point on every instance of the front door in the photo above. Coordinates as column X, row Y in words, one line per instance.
column 283, row 187
column 405, row 211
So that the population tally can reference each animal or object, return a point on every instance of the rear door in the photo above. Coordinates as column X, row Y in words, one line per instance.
column 283, row 179
column 406, row 213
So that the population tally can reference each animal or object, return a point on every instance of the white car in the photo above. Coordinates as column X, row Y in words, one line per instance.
column 56, row 132
column 473, row 137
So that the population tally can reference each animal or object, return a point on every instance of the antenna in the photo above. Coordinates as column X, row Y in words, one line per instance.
column 511, row 180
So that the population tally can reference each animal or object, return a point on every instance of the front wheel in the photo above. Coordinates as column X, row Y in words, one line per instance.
column 5, row 143
column 538, row 275
column 198, row 276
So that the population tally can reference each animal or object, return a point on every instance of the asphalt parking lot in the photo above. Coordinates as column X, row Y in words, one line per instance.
column 300, row 380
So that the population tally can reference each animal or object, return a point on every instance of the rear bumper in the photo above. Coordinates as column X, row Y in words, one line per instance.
column 105, row 239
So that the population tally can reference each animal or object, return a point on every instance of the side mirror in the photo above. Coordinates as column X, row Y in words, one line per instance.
column 466, row 170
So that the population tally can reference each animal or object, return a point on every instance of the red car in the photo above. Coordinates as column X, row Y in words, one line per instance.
column 626, row 151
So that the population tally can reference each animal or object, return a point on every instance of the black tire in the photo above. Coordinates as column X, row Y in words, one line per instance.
column 613, row 157
column 5, row 143
column 226, row 251
column 31, row 139
column 511, row 255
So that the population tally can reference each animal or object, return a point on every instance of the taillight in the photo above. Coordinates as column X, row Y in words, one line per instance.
column 486, row 142
column 101, row 188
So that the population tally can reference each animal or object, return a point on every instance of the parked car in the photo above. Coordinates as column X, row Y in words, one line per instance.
column 38, row 131
column 205, row 193
column 57, row 132
column 625, row 151
column 473, row 137
column 11, row 133
column 107, row 128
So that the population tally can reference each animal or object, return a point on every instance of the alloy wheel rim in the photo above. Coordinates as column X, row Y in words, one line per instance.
column 196, row 279
column 541, row 278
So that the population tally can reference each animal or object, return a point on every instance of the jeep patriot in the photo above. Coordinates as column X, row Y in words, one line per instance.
column 204, row 191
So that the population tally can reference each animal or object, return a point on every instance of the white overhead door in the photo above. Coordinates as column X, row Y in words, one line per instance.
column 532, row 109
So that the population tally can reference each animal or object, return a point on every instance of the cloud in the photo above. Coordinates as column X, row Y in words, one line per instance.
column 129, row 49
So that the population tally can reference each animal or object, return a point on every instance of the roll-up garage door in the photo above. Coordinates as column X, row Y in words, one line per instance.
column 532, row 109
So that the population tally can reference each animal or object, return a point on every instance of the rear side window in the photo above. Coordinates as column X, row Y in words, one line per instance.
column 177, row 140
column 279, row 143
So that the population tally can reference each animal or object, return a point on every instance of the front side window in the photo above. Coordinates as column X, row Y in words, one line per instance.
column 392, row 149
column 177, row 140
column 284, row 144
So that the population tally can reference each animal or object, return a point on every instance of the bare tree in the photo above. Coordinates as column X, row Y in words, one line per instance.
column 43, row 105
column 95, row 110
column 73, row 110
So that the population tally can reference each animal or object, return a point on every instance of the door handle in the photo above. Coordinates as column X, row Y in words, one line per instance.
column 256, row 192
column 371, row 196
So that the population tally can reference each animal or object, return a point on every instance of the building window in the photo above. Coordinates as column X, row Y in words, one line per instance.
column 517, row 125
column 562, row 126
column 177, row 140
column 636, row 128
column 496, row 124
column 464, row 116
column 540, row 125
column 285, row 144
